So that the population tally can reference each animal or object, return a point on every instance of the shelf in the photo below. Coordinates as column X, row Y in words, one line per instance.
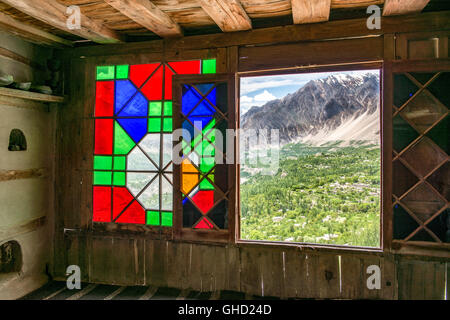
column 28, row 95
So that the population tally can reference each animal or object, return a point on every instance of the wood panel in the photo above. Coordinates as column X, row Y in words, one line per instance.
column 228, row 15
column 54, row 14
column 396, row 7
column 312, row 53
column 148, row 15
column 304, row 11
column 423, row 45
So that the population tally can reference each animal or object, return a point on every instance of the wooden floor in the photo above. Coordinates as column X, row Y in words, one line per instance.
column 57, row 290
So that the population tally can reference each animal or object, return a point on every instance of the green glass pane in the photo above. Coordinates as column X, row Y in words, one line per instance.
column 209, row 66
column 206, row 185
column 154, row 125
column 102, row 177
column 154, row 108
column 166, row 219
column 153, row 218
column 122, row 72
column 102, row 162
column 122, row 141
column 119, row 178
column 167, row 125
column 206, row 164
column 105, row 72
column 119, row 163
column 167, row 108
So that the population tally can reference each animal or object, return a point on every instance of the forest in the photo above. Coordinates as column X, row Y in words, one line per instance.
column 327, row 194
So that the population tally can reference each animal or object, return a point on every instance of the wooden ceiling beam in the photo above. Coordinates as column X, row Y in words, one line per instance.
column 397, row 7
column 54, row 14
column 307, row 11
column 147, row 15
column 30, row 33
column 228, row 15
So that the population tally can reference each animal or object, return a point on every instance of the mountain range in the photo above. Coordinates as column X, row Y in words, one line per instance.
column 340, row 107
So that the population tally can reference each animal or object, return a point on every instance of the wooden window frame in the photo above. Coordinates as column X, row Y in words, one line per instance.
column 190, row 234
column 385, row 165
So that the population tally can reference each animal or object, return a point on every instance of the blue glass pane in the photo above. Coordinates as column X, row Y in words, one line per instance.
column 137, row 107
column 124, row 91
column 189, row 100
column 204, row 88
column 203, row 109
column 212, row 96
column 136, row 128
column 186, row 125
column 200, row 122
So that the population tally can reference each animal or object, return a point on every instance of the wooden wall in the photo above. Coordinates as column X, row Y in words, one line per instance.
column 142, row 258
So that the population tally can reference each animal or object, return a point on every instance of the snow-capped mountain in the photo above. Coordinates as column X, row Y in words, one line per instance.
column 339, row 107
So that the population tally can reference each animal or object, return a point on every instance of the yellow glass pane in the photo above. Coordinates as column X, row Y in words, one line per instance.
column 188, row 182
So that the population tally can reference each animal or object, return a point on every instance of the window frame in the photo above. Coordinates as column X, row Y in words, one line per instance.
column 190, row 234
column 385, row 163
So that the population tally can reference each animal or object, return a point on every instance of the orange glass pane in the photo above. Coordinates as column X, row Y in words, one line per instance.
column 187, row 166
column 188, row 182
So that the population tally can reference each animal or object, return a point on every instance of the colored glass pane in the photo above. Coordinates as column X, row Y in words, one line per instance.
column 136, row 107
column 101, row 204
column 102, row 177
column 141, row 72
column 125, row 91
column 135, row 127
column 119, row 178
column 122, row 142
column 204, row 224
column 209, row 66
column 121, row 199
column 155, row 108
column 167, row 125
column 204, row 200
column 102, row 163
column 105, row 72
column 104, row 98
column 134, row 213
column 166, row 219
column 119, row 163
column 103, row 136
column 153, row 88
column 154, row 125
column 153, row 218
column 167, row 108
column 122, row 72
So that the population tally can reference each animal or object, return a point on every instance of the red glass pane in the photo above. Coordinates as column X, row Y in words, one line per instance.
column 133, row 214
column 204, row 224
column 186, row 67
column 103, row 136
column 121, row 198
column 204, row 199
column 168, row 84
column 104, row 98
column 153, row 88
column 140, row 72
column 102, row 204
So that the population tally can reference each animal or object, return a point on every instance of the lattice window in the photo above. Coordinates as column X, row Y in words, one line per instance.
column 204, row 182
column 133, row 172
column 421, row 178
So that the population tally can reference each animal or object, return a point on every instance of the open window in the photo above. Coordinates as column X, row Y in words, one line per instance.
column 310, row 157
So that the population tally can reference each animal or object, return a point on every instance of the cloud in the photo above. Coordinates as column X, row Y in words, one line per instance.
column 264, row 97
column 246, row 99
column 249, row 85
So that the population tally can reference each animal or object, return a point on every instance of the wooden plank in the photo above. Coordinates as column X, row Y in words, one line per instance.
column 306, row 11
column 31, row 33
column 292, row 33
column 28, row 95
column 313, row 53
column 228, row 15
column 17, row 57
column 54, row 14
column 148, row 15
column 294, row 275
column 398, row 7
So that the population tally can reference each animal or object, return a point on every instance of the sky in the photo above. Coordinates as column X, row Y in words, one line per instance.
column 256, row 91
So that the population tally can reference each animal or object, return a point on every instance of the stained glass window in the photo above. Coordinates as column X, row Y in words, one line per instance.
column 132, row 178
column 203, row 179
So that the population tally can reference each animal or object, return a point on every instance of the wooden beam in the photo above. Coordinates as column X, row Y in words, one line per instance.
column 148, row 15
column 397, row 7
column 31, row 33
column 54, row 14
column 17, row 57
column 7, row 175
column 307, row 11
column 228, row 15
